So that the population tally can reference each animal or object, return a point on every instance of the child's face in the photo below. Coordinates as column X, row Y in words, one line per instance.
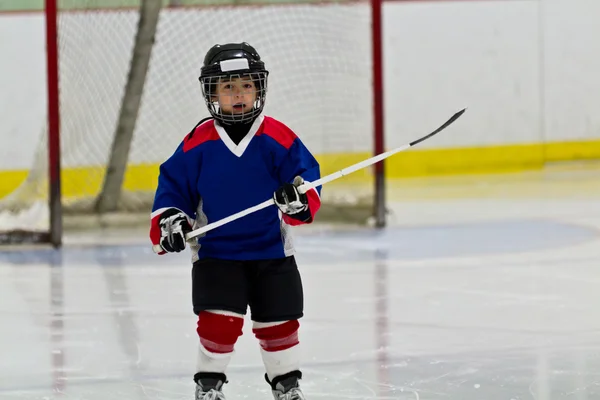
column 236, row 95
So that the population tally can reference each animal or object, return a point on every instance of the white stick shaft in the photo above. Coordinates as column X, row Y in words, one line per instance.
column 302, row 189
column 227, row 220
column 353, row 168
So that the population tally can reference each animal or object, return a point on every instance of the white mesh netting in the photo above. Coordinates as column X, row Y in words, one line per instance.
column 318, row 55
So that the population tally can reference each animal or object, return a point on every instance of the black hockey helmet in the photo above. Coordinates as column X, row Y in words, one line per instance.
column 229, row 61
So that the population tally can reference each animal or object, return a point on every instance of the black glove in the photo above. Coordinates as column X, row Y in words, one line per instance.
column 173, row 227
column 290, row 201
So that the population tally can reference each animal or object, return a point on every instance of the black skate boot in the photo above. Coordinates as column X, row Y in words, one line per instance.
column 286, row 387
column 208, row 385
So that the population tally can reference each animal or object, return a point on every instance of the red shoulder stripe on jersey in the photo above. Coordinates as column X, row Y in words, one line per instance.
column 201, row 134
column 278, row 131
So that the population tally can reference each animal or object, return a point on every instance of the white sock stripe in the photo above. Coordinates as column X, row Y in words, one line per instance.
column 260, row 325
column 213, row 347
column 226, row 313
column 271, row 343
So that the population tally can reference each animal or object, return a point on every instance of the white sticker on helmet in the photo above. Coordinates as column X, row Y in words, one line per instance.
column 234, row 64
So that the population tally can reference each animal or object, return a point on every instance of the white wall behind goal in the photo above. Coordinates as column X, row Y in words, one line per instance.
column 22, row 88
column 527, row 70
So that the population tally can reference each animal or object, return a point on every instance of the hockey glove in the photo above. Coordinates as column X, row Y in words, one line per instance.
column 173, row 227
column 290, row 201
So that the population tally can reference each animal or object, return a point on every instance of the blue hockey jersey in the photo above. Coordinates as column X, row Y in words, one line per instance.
column 209, row 177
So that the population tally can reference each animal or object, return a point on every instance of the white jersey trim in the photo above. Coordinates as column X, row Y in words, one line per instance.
column 239, row 149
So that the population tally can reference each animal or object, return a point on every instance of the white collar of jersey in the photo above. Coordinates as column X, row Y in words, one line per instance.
column 239, row 149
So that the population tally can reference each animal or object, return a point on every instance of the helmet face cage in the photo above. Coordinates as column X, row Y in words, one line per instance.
column 211, row 82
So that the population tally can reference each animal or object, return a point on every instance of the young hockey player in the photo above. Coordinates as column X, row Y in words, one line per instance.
column 227, row 163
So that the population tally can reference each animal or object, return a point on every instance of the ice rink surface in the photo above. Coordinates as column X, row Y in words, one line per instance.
column 483, row 287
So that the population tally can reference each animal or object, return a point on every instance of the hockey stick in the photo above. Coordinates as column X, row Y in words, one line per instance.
column 304, row 188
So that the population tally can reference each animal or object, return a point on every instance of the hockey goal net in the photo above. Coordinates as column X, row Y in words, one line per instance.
column 125, row 65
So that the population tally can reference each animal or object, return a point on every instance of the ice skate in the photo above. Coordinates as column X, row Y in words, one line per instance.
column 286, row 387
column 208, row 386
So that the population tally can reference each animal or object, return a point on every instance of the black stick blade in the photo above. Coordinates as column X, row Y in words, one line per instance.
column 441, row 128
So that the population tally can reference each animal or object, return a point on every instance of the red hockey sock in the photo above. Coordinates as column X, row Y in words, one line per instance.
column 278, row 337
column 218, row 333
